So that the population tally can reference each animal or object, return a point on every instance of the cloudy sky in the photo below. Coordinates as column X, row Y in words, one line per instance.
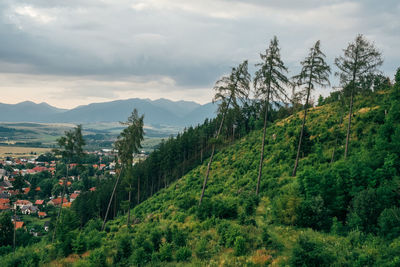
column 74, row 52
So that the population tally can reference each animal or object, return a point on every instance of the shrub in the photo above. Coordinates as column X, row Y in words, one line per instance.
column 139, row 257
column 124, row 248
column 165, row 253
column 97, row 257
column 79, row 244
column 183, row 254
column 388, row 223
column 201, row 250
column 239, row 246
column 179, row 237
column 310, row 252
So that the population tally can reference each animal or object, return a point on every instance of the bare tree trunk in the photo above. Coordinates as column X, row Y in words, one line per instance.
column 336, row 141
column 152, row 186
column 348, row 126
column 212, row 153
column 138, row 190
column 62, row 201
column 109, row 203
column 129, row 206
column 262, row 145
column 115, row 206
column 301, row 133
column 15, row 225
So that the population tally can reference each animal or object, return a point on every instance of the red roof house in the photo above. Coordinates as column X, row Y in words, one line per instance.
column 42, row 214
column 56, row 201
column 39, row 202
column 19, row 225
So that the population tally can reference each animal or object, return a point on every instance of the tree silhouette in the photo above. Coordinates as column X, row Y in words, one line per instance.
column 70, row 148
column 229, row 90
column 360, row 59
column 268, row 83
column 314, row 72
column 128, row 142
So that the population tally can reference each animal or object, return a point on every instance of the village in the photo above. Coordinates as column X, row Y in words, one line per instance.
column 31, row 188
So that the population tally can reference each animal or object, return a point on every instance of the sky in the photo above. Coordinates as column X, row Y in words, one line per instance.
column 75, row 52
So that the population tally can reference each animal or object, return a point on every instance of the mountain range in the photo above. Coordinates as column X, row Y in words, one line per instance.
column 156, row 112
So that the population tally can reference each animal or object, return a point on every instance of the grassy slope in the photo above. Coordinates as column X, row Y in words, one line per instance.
column 233, row 180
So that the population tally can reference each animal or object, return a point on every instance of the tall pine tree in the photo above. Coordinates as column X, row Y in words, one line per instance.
column 229, row 90
column 360, row 59
column 269, row 84
column 315, row 72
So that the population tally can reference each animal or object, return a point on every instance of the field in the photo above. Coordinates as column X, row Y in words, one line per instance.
column 25, row 139
column 21, row 152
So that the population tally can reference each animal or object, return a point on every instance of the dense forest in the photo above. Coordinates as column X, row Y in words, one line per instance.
column 264, row 183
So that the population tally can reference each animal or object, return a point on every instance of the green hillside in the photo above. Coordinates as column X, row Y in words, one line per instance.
column 340, row 212
column 344, row 213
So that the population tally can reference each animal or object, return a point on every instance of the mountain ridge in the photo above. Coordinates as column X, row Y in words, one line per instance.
column 157, row 112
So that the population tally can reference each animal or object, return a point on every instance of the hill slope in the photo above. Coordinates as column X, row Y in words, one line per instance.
column 234, row 228
column 343, row 213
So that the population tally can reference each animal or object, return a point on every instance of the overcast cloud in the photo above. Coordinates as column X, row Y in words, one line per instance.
column 74, row 52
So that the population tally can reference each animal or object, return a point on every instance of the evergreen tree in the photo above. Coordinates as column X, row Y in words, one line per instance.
column 315, row 71
column 268, row 83
column 71, row 148
column 229, row 89
column 129, row 142
column 360, row 59
column 6, row 229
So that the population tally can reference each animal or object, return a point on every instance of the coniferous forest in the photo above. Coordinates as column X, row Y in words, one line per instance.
column 278, row 178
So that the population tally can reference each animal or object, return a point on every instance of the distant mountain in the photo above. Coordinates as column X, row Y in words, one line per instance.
column 199, row 114
column 28, row 112
column 157, row 112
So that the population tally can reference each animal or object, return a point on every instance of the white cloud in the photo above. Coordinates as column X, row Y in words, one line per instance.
column 106, row 49
column 34, row 13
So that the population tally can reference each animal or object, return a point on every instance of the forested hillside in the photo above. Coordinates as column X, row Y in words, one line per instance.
column 336, row 211
column 298, row 184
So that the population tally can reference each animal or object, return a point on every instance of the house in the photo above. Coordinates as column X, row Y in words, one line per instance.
column 56, row 201
column 29, row 210
column 4, row 204
column 4, row 195
column 4, row 201
column 73, row 197
column 46, row 226
column 19, row 225
column 34, row 232
column 92, row 189
column 61, row 182
column 42, row 214
column 37, row 189
column 6, row 184
column 67, row 205
column 20, row 203
column 3, row 173
column 26, row 190
column 39, row 202
column 39, row 169
column 4, row 207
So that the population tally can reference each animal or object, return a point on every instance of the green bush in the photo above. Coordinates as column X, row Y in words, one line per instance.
column 165, row 253
column 308, row 251
column 202, row 252
column 139, row 257
column 97, row 257
column 183, row 254
column 389, row 223
column 239, row 246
